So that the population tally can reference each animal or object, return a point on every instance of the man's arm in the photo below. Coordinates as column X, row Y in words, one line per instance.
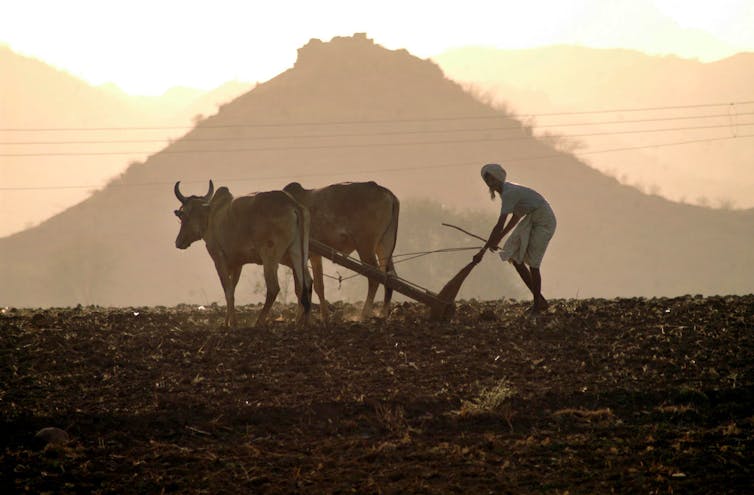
column 498, row 232
column 514, row 221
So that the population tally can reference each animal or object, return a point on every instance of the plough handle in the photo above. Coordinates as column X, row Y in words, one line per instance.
column 468, row 233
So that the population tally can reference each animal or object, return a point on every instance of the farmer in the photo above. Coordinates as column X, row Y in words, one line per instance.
column 534, row 224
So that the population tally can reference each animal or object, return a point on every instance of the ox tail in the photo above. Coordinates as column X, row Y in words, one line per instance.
column 388, row 241
column 302, row 216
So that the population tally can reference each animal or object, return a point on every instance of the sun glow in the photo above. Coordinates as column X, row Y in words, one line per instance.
column 146, row 47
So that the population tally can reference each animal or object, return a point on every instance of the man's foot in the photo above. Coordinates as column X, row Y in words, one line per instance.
column 543, row 304
column 533, row 310
column 540, row 304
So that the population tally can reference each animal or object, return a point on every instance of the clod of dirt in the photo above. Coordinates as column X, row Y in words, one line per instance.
column 51, row 436
column 488, row 315
column 40, row 320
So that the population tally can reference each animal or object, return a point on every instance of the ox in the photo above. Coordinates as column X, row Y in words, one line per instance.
column 266, row 228
column 352, row 216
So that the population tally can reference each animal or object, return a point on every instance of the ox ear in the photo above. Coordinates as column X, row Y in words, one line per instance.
column 208, row 196
column 177, row 191
column 293, row 187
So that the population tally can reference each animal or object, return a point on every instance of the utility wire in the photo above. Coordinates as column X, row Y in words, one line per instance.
column 511, row 127
column 386, row 133
column 250, row 150
column 381, row 121
column 395, row 169
column 312, row 147
column 640, row 109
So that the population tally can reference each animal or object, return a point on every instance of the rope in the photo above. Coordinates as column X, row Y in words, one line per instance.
column 411, row 256
column 408, row 257
column 424, row 253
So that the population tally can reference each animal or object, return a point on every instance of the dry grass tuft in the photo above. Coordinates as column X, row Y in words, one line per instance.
column 493, row 400
column 588, row 415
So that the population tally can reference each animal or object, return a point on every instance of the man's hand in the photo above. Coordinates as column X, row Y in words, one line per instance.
column 478, row 256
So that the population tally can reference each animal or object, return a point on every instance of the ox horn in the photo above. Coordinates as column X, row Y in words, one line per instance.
column 177, row 191
column 208, row 196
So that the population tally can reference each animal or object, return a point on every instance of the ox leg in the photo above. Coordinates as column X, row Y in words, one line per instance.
column 298, row 287
column 319, row 286
column 230, row 293
column 387, row 266
column 370, row 258
column 306, row 300
column 303, row 283
column 228, row 279
column 273, row 288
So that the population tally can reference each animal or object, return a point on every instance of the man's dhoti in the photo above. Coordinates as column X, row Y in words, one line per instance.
column 528, row 241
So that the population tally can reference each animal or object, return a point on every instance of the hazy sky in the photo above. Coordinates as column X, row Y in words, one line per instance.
column 146, row 46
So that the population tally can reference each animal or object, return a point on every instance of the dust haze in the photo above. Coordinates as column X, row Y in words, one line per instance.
column 63, row 139
column 351, row 110
column 637, row 101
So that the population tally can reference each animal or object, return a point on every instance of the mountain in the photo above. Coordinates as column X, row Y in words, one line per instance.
column 350, row 109
column 574, row 76
column 208, row 102
column 37, row 98
column 567, row 79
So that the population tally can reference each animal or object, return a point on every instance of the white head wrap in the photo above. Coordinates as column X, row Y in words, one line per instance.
column 494, row 170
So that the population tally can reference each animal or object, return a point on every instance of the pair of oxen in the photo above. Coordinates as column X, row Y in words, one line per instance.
column 274, row 227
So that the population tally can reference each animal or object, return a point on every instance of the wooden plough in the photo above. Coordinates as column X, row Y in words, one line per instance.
column 441, row 305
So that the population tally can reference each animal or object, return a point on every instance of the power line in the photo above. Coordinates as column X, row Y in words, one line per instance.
column 387, row 170
column 250, row 150
column 642, row 109
column 340, row 146
column 662, row 145
column 666, row 129
column 389, row 133
column 657, row 119
column 731, row 104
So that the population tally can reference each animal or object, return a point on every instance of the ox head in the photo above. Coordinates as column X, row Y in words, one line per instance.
column 194, row 215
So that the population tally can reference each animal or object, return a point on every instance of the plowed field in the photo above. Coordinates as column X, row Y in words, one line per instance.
column 595, row 396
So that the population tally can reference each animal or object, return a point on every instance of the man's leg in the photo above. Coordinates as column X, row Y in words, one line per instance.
column 526, row 276
column 533, row 280
column 524, row 273
column 540, row 302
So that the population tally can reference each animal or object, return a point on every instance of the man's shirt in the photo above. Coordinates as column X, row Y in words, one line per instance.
column 520, row 200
